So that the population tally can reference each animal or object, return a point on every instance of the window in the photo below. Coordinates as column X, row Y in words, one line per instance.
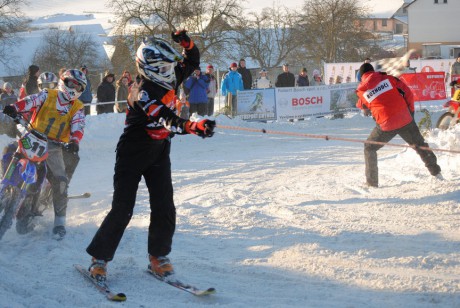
column 437, row 1
column 384, row 23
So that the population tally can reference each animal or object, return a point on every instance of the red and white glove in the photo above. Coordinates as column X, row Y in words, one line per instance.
column 203, row 128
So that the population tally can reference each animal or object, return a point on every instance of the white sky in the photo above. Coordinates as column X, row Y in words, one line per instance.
column 38, row 8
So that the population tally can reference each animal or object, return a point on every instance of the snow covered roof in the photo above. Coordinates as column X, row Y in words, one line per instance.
column 22, row 54
column 29, row 42
column 383, row 9
column 403, row 19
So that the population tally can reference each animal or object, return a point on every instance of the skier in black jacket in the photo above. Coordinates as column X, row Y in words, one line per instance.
column 143, row 151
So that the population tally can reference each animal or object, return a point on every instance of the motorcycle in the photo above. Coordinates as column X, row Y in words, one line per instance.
column 23, row 178
column 451, row 116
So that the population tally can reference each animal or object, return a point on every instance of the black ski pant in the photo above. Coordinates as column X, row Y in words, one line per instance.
column 134, row 159
column 409, row 133
column 200, row 108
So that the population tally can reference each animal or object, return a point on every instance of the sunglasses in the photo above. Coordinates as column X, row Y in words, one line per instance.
column 73, row 84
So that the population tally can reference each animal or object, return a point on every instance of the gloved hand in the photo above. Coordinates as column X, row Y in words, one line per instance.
column 203, row 128
column 453, row 83
column 181, row 37
column 10, row 111
column 72, row 147
column 366, row 112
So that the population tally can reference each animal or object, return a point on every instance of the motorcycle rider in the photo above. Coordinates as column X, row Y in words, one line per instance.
column 59, row 115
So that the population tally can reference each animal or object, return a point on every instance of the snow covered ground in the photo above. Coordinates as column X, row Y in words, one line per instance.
column 268, row 220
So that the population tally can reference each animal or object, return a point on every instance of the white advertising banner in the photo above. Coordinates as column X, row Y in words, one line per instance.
column 336, row 73
column 257, row 104
column 301, row 102
column 346, row 72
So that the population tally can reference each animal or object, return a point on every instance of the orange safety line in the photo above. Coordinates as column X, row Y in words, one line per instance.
column 325, row 137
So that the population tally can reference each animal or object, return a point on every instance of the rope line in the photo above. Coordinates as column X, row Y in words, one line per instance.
column 327, row 138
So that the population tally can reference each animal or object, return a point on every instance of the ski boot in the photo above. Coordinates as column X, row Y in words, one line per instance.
column 98, row 270
column 160, row 266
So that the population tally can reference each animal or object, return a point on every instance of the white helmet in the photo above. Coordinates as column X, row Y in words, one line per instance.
column 47, row 80
column 156, row 60
column 72, row 84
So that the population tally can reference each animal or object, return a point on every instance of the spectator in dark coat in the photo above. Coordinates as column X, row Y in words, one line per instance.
column 286, row 78
column 7, row 97
column 106, row 93
column 30, row 85
column 246, row 74
column 302, row 80
column 87, row 96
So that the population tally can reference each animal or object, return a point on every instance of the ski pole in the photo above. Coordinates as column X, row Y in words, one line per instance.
column 327, row 138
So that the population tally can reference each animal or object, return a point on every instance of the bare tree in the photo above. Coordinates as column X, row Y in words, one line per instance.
column 11, row 22
column 331, row 31
column 123, row 58
column 268, row 37
column 66, row 49
column 206, row 20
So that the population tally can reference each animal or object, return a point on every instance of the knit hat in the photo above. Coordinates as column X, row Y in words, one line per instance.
column 304, row 69
column 316, row 73
column 366, row 67
column 263, row 70
column 210, row 66
column 234, row 64
column 109, row 74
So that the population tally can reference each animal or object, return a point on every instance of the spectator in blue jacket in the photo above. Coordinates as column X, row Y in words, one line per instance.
column 231, row 83
column 198, row 85
column 86, row 97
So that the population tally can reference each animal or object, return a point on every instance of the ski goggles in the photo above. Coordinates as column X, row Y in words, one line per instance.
column 48, row 85
column 73, row 84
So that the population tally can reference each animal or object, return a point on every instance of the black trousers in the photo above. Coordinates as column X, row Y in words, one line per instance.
column 104, row 108
column 134, row 159
column 409, row 133
column 210, row 106
column 201, row 109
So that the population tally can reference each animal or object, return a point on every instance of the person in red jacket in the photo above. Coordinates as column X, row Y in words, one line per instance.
column 391, row 103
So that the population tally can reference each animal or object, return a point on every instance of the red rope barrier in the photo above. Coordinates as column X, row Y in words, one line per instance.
column 326, row 137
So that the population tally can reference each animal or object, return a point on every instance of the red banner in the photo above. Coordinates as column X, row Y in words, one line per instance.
column 452, row 78
column 426, row 86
